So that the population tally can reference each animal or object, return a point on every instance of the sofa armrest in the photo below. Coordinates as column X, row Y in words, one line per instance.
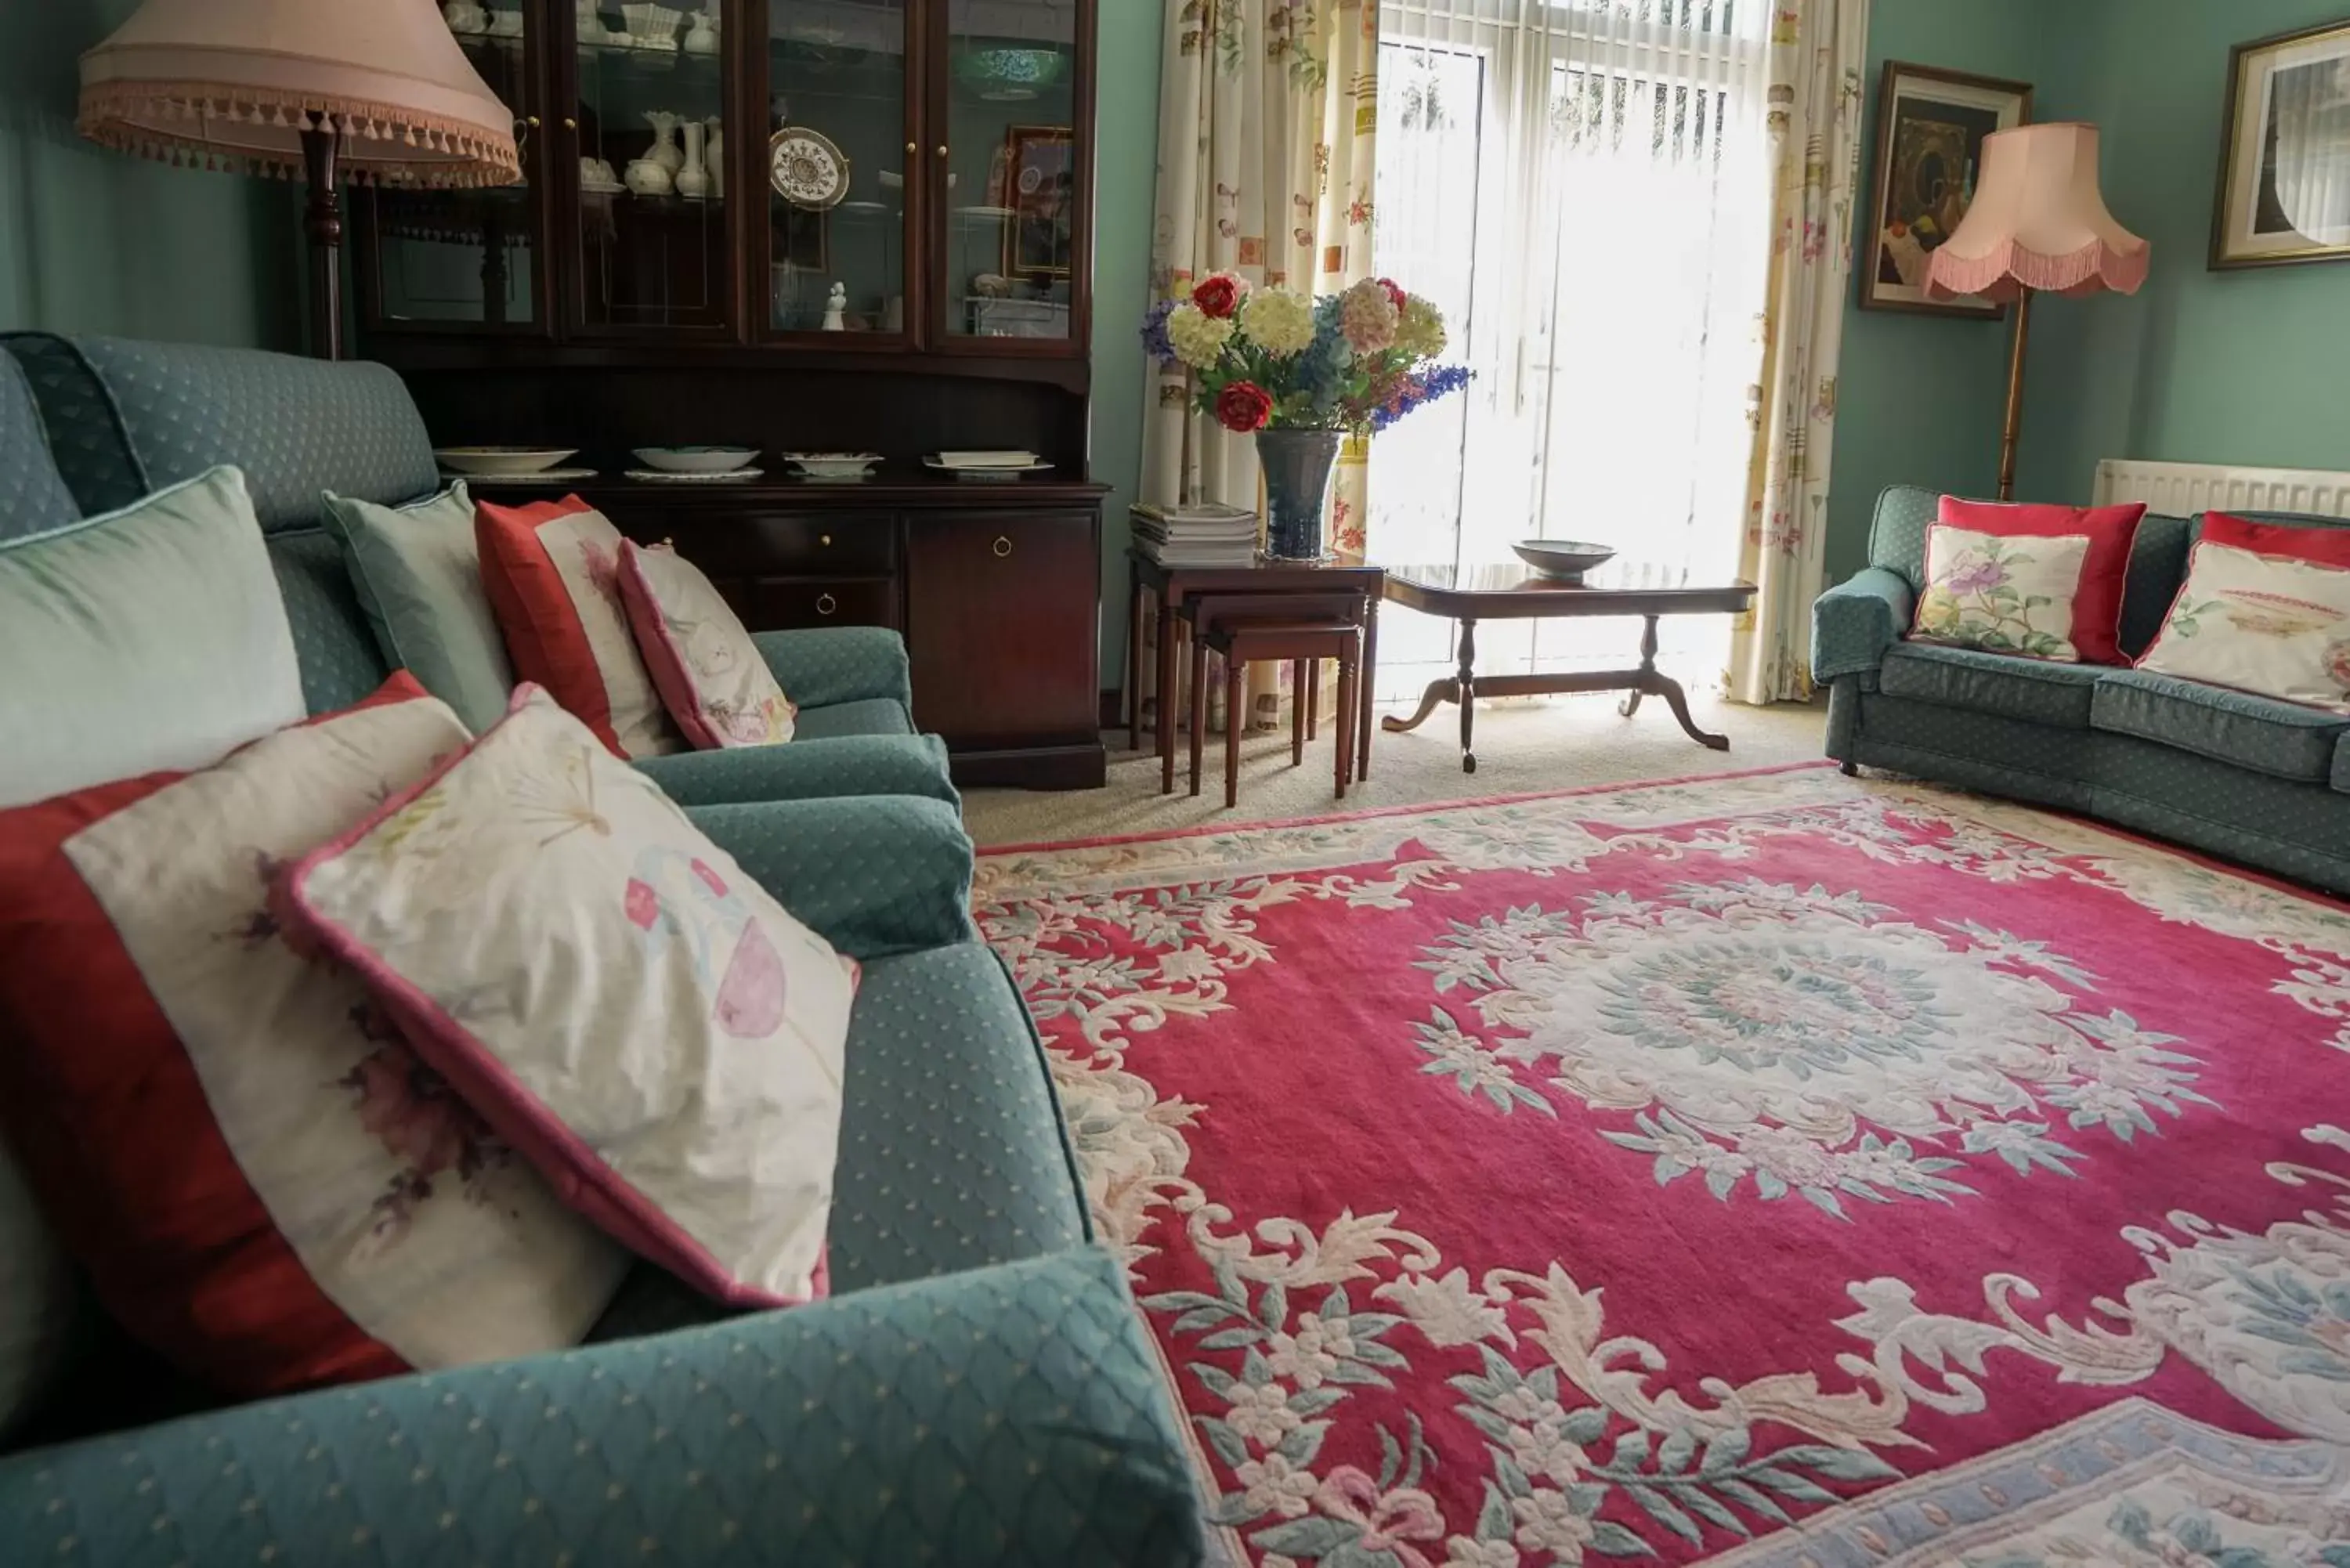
column 1854, row 622
column 825, row 665
column 1000, row 1415
column 873, row 877
column 850, row 766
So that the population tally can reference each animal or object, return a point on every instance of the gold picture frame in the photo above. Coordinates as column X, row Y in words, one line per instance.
column 1041, row 191
column 2284, row 171
column 1930, row 126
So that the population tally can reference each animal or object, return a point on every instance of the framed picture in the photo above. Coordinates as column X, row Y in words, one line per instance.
column 2284, row 176
column 1930, row 126
column 1040, row 177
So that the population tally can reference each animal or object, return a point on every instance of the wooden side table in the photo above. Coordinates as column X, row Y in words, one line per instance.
column 1170, row 586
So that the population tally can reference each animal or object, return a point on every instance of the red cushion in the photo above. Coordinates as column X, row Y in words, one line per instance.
column 2097, row 602
column 542, row 627
column 2325, row 546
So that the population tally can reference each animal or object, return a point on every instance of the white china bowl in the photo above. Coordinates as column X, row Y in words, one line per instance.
column 501, row 462
column 833, row 464
column 697, row 458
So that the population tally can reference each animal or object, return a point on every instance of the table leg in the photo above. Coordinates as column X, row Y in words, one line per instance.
column 1365, row 673
column 1235, row 694
column 1439, row 692
column 1344, row 721
column 1133, row 657
column 1467, row 696
column 1653, row 681
column 1167, row 696
column 1296, row 714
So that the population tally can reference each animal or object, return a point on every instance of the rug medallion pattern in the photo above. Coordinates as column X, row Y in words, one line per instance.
column 1814, row 1169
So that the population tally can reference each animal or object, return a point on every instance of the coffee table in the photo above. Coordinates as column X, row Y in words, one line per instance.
column 1471, row 593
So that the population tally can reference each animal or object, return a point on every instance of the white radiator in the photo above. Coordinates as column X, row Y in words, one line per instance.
column 2183, row 489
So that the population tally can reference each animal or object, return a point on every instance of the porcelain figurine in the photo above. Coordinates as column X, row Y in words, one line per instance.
column 836, row 309
column 587, row 22
column 649, row 177
column 465, row 18
column 505, row 23
column 701, row 37
column 664, row 151
column 713, row 151
column 692, row 179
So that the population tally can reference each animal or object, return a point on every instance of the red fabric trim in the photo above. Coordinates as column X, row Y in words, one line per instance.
column 2321, row 546
column 543, row 633
column 111, row 1123
column 2104, row 570
column 664, row 659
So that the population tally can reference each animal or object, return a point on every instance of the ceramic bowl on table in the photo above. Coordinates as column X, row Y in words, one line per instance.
column 697, row 458
column 501, row 461
column 833, row 464
column 1565, row 559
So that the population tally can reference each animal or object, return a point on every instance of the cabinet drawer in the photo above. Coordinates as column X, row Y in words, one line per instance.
column 1002, row 612
column 760, row 543
column 786, row 603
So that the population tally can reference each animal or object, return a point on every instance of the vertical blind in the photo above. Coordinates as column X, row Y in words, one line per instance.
column 1584, row 189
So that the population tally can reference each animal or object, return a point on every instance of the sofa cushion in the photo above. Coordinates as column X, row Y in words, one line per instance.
column 705, row 664
column 2284, row 739
column 85, row 429
column 340, row 662
column 2030, row 688
column 872, row 716
column 2038, row 579
column 149, row 637
column 38, row 1301
column 33, row 496
column 418, row 574
column 2158, row 561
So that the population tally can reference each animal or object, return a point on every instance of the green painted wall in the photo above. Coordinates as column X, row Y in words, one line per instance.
column 2200, row 366
column 1125, row 194
column 93, row 241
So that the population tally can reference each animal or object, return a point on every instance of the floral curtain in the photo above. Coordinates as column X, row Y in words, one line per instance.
column 1266, row 115
column 1819, row 48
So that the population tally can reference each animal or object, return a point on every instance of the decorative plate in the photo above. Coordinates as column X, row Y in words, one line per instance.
column 656, row 476
column 832, row 464
column 545, row 476
column 501, row 461
column 806, row 169
column 1564, row 559
column 697, row 459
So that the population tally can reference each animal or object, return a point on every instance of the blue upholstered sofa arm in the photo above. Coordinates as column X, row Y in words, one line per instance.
column 873, row 877
column 827, row 665
column 812, row 770
column 1854, row 622
column 1006, row 1415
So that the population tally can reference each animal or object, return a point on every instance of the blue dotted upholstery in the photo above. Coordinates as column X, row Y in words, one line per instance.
column 866, row 716
column 2033, row 688
column 1897, row 534
column 2157, row 564
column 33, row 497
column 2280, row 738
column 86, row 437
column 872, row 876
column 821, row 666
column 1010, row 1416
column 807, row 769
column 341, row 662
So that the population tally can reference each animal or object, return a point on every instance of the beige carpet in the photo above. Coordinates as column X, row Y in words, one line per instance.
column 1522, row 747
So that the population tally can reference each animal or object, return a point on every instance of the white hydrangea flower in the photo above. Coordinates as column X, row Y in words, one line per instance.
column 1421, row 331
column 1196, row 338
column 1279, row 322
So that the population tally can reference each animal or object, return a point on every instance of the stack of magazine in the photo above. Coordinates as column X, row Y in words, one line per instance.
column 1205, row 535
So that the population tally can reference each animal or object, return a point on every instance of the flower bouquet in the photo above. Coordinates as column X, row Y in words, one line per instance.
column 1301, row 374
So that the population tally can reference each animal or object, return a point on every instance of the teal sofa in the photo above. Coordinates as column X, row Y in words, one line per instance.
column 2263, row 783
column 979, row 1389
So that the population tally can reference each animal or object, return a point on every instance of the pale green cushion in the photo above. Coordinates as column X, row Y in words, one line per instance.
column 419, row 578
column 146, row 639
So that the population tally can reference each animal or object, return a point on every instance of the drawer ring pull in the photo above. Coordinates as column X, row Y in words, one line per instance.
column 826, row 604
column 1003, row 548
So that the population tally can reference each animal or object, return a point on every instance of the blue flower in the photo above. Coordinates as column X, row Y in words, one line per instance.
column 1154, row 332
column 1443, row 381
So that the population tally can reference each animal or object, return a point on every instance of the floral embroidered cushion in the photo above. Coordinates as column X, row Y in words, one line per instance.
column 552, row 572
column 612, row 993
column 260, row 1178
column 1981, row 598
column 703, row 663
column 2277, row 625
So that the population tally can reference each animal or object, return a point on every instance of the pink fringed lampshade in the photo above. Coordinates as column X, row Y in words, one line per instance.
column 2038, row 221
column 238, row 81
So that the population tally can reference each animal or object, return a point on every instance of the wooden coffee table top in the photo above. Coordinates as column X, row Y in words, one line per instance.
column 1515, row 592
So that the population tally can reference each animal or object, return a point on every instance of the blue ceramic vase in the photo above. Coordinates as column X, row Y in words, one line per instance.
column 1296, row 466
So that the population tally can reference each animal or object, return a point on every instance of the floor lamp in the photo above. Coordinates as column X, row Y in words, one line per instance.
column 321, row 91
column 2038, row 225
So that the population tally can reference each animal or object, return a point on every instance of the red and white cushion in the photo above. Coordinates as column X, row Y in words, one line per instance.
column 2045, row 581
column 612, row 993
column 261, row 1179
column 2265, row 608
column 552, row 572
column 704, row 662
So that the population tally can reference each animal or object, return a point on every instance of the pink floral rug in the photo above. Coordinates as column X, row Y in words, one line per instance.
column 1819, row 1170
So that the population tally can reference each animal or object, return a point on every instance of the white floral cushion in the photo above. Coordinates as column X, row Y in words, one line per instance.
column 704, row 662
column 2266, row 624
column 611, row 992
column 2001, row 593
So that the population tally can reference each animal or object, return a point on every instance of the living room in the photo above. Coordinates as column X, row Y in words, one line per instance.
column 1302, row 781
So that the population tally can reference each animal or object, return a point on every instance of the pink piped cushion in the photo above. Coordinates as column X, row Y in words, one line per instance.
column 611, row 992
column 704, row 662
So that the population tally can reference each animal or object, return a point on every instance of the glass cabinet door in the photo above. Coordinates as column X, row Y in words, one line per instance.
column 837, row 150
column 469, row 258
column 1014, row 202
column 653, row 144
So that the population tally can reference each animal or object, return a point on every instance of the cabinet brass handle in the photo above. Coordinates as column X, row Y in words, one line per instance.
column 911, row 150
column 531, row 120
column 569, row 123
column 1003, row 547
column 942, row 150
column 823, row 538
column 826, row 604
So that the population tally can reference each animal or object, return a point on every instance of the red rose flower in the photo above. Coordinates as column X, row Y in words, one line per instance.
column 1395, row 291
column 1243, row 406
column 1217, row 296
